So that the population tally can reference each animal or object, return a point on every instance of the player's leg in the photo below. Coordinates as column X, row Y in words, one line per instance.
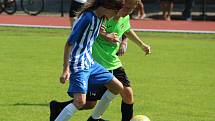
column 77, row 89
column 94, row 93
column 126, row 94
column 113, row 89
column 70, row 109
column 56, row 107
column 163, row 8
column 127, row 98
column 127, row 104
column 169, row 9
column 114, row 86
column 187, row 10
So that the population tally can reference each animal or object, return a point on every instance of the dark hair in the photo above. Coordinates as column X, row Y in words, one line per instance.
column 109, row 4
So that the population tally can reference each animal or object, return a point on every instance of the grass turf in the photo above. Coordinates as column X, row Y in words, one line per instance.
column 174, row 83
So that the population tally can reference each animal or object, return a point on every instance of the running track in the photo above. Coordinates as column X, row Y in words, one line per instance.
column 138, row 25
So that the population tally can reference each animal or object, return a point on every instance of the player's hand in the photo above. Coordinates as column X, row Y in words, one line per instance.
column 122, row 49
column 112, row 37
column 146, row 49
column 102, row 29
column 64, row 76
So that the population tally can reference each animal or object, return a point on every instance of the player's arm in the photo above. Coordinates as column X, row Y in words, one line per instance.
column 133, row 36
column 66, row 73
column 111, row 37
column 123, row 46
column 76, row 34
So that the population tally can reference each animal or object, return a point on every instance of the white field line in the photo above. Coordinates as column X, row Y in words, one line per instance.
column 175, row 31
column 35, row 26
column 138, row 30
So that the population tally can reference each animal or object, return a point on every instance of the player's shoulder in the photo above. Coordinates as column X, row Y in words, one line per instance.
column 89, row 15
column 126, row 18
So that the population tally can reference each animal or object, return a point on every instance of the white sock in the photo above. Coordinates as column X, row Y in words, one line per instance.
column 103, row 104
column 66, row 113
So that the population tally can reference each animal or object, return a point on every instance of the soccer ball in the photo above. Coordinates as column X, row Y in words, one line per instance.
column 140, row 118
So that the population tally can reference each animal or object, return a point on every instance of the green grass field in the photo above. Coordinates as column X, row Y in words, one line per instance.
column 175, row 83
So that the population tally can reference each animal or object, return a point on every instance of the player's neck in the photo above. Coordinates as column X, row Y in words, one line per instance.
column 116, row 18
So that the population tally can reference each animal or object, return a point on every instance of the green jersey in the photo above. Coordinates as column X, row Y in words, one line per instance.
column 104, row 52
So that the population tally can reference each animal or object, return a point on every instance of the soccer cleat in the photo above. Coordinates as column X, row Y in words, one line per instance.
column 91, row 119
column 54, row 110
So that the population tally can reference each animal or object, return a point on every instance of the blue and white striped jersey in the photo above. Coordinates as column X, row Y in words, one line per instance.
column 84, row 33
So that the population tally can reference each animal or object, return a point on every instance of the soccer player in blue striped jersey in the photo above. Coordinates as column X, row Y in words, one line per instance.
column 79, row 66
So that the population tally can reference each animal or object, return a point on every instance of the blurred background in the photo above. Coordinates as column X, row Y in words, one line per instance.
column 200, row 9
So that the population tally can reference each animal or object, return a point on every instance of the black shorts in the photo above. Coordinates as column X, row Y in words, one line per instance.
column 75, row 8
column 98, row 90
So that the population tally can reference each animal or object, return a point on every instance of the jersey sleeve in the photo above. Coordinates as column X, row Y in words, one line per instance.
column 128, row 25
column 79, row 27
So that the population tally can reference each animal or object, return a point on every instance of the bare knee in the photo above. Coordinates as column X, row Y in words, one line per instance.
column 79, row 100
column 79, row 103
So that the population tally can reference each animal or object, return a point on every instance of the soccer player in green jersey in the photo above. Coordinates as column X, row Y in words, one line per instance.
column 105, row 52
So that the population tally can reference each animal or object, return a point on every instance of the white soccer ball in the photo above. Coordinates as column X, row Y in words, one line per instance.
column 140, row 118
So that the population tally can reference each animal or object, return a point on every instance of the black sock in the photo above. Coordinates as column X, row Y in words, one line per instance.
column 56, row 108
column 127, row 111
